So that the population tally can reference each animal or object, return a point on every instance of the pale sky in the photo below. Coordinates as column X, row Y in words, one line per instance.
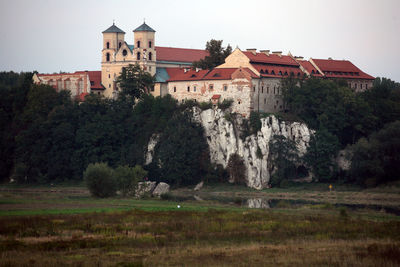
column 56, row 35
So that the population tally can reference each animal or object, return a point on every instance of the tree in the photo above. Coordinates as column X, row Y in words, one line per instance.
column 217, row 55
column 134, row 82
column 377, row 159
column 236, row 169
column 320, row 154
column 100, row 180
column 179, row 155
column 283, row 155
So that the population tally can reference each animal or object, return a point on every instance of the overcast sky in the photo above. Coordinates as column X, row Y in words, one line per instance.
column 54, row 35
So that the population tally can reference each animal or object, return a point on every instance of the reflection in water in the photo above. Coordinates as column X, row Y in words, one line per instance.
column 257, row 203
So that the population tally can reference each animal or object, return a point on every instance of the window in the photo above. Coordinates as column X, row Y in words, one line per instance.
column 138, row 44
column 355, row 86
column 150, row 56
column 138, row 56
column 366, row 86
column 149, row 44
column 108, row 57
column 109, row 76
column 254, row 88
column 238, row 102
column 188, row 88
column 265, row 101
column 211, row 87
column 98, row 93
column 91, row 83
column 119, row 45
column 152, row 89
column 361, row 86
column 124, row 52
column 262, row 89
column 225, row 87
column 274, row 90
column 174, row 89
column 108, row 45
column 109, row 85
column 194, row 90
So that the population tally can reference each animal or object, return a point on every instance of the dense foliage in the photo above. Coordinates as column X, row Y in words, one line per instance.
column 100, row 180
column 217, row 55
column 341, row 117
column 48, row 137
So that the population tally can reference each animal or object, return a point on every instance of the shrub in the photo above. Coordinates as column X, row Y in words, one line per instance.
column 128, row 178
column 205, row 105
column 226, row 103
column 100, row 180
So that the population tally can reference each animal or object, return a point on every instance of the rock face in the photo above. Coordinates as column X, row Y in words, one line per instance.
column 150, row 148
column 161, row 188
column 199, row 186
column 257, row 203
column 223, row 138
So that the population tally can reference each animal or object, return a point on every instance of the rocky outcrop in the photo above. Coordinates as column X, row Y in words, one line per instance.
column 199, row 186
column 223, row 138
column 144, row 188
column 150, row 148
column 223, row 131
column 161, row 188
column 257, row 203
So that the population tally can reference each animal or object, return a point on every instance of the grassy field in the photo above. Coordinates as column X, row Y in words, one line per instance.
column 63, row 225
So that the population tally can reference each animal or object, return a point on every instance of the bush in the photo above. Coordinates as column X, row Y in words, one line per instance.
column 227, row 103
column 236, row 169
column 128, row 178
column 100, row 180
column 205, row 105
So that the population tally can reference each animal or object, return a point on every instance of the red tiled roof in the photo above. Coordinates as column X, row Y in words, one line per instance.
column 225, row 74
column 277, row 71
column 179, row 54
column 310, row 68
column 215, row 96
column 179, row 74
column 271, row 59
column 341, row 69
column 95, row 76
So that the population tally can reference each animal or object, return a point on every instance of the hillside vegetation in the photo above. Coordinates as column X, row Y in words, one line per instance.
column 48, row 137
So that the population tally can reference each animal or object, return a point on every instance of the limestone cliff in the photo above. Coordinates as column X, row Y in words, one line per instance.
column 223, row 138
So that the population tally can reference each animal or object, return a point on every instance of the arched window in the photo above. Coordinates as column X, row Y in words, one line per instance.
column 149, row 44
column 138, row 56
column 108, row 57
column 108, row 45
column 138, row 44
column 119, row 45
column 150, row 56
column 124, row 52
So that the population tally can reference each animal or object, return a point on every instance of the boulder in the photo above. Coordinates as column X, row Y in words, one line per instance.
column 144, row 188
column 161, row 188
column 199, row 186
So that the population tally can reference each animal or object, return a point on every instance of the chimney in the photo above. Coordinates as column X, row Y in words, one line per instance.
column 279, row 53
column 329, row 58
column 198, row 69
column 185, row 70
column 252, row 50
column 265, row 52
column 299, row 57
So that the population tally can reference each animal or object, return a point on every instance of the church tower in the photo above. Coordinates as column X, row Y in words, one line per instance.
column 113, row 39
column 144, row 51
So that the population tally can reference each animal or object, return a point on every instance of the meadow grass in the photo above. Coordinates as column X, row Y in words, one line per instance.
column 70, row 228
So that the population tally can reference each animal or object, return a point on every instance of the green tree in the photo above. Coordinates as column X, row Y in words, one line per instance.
column 100, row 180
column 283, row 155
column 377, row 159
column 134, row 82
column 320, row 154
column 217, row 55
column 179, row 156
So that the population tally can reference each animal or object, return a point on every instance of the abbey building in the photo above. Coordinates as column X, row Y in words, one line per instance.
column 250, row 78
